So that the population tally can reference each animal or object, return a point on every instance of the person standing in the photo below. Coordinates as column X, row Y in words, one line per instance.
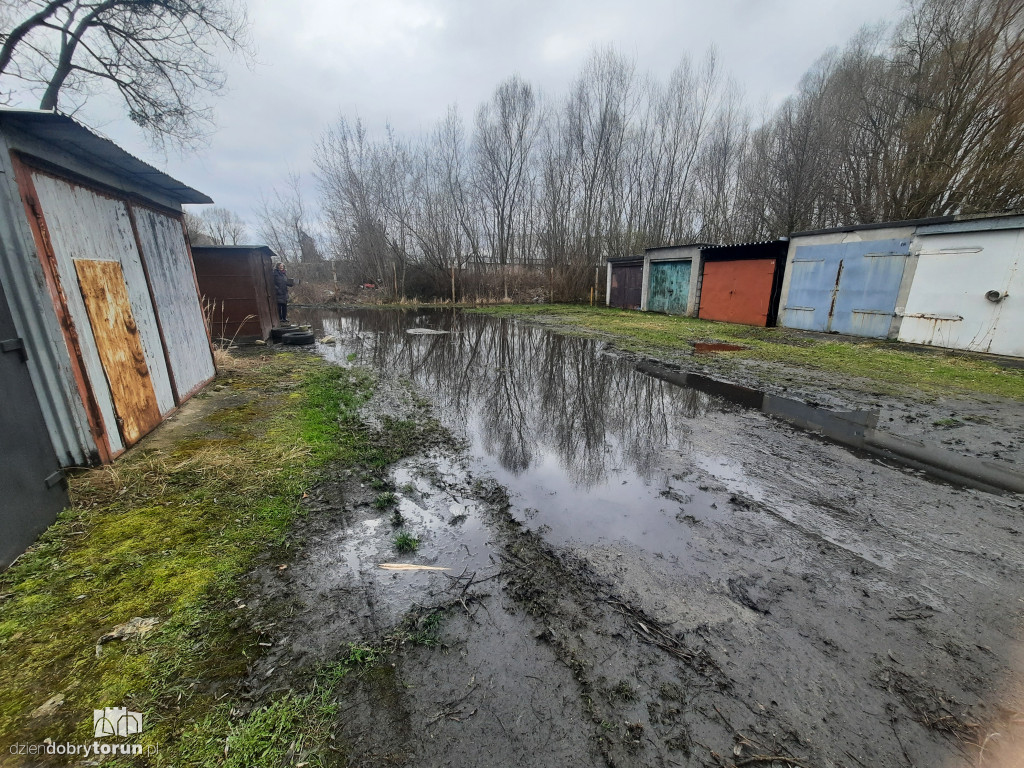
column 281, row 283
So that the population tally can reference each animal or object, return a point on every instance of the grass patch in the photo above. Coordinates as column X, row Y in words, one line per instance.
column 385, row 500
column 891, row 368
column 405, row 542
column 168, row 533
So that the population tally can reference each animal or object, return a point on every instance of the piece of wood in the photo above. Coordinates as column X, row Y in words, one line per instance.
column 117, row 339
column 410, row 567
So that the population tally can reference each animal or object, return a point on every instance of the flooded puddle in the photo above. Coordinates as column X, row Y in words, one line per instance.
column 676, row 550
column 591, row 448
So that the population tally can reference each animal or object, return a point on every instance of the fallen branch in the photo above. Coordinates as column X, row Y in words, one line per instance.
column 756, row 759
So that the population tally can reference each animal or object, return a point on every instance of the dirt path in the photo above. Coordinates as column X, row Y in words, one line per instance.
column 735, row 592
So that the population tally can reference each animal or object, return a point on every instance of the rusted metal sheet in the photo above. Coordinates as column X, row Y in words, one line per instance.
column 31, row 484
column 967, row 291
column 176, row 299
column 84, row 224
column 237, row 287
column 737, row 291
column 119, row 345
column 669, row 287
column 626, row 285
column 36, row 268
column 28, row 270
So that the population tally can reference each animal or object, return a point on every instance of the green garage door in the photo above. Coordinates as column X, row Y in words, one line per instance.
column 670, row 286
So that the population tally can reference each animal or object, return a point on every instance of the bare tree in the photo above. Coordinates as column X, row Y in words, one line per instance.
column 159, row 55
column 283, row 221
column 224, row 226
column 195, row 229
column 506, row 128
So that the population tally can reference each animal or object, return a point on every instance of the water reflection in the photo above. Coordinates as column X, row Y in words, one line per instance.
column 525, row 396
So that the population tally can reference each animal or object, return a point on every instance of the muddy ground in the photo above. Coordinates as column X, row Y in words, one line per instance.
column 642, row 575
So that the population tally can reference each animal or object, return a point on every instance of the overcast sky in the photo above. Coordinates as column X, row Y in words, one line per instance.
column 405, row 61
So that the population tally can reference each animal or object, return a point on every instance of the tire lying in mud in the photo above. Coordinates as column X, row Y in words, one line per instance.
column 276, row 334
column 298, row 338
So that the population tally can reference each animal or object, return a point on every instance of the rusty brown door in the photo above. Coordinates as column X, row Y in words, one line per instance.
column 120, row 349
column 627, row 285
column 737, row 291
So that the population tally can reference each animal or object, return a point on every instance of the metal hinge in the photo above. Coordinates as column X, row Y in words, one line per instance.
column 15, row 345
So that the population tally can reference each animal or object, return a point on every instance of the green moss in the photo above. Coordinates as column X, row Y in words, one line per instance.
column 168, row 534
column 889, row 368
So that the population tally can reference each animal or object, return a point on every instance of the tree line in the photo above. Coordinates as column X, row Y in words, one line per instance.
column 920, row 118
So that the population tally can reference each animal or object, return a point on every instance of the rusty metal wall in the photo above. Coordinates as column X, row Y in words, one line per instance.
column 626, row 285
column 737, row 291
column 947, row 305
column 235, row 286
column 86, row 225
column 36, row 322
column 177, row 303
column 31, row 484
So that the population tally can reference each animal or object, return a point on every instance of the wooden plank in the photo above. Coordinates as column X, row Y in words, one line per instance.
column 88, row 224
column 117, row 339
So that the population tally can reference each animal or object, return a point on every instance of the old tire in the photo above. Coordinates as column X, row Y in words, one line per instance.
column 298, row 338
column 276, row 334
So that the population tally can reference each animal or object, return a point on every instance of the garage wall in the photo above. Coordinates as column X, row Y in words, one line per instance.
column 176, row 298
column 88, row 226
column 947, row 304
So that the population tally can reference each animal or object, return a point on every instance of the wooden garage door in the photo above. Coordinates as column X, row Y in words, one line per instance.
column 117, row 339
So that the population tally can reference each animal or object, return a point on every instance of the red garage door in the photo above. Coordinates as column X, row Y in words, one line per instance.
column 737, row 291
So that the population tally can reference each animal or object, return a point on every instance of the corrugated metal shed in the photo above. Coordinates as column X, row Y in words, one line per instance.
column 100, row 283
column 237, row 285
column 968, row 286
column 742, row 283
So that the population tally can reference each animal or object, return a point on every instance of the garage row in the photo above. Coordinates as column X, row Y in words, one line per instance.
column 951, row 282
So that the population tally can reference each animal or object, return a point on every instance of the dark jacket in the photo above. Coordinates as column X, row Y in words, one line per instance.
column 281, row 283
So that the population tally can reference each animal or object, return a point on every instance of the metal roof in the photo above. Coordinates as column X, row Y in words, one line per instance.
column 986, row 221
column 234, row 248
column 679, row 245
column 73, row 138
column 878, row 225
column 975, row 224
column 746, row 245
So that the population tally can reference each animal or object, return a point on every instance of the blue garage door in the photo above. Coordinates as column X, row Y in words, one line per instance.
column 847, row 288
column 812, row 284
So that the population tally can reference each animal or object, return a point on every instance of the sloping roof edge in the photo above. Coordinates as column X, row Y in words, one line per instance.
column 71, row 137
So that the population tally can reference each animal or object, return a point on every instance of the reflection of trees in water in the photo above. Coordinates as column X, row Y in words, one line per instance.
column 528, row 391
